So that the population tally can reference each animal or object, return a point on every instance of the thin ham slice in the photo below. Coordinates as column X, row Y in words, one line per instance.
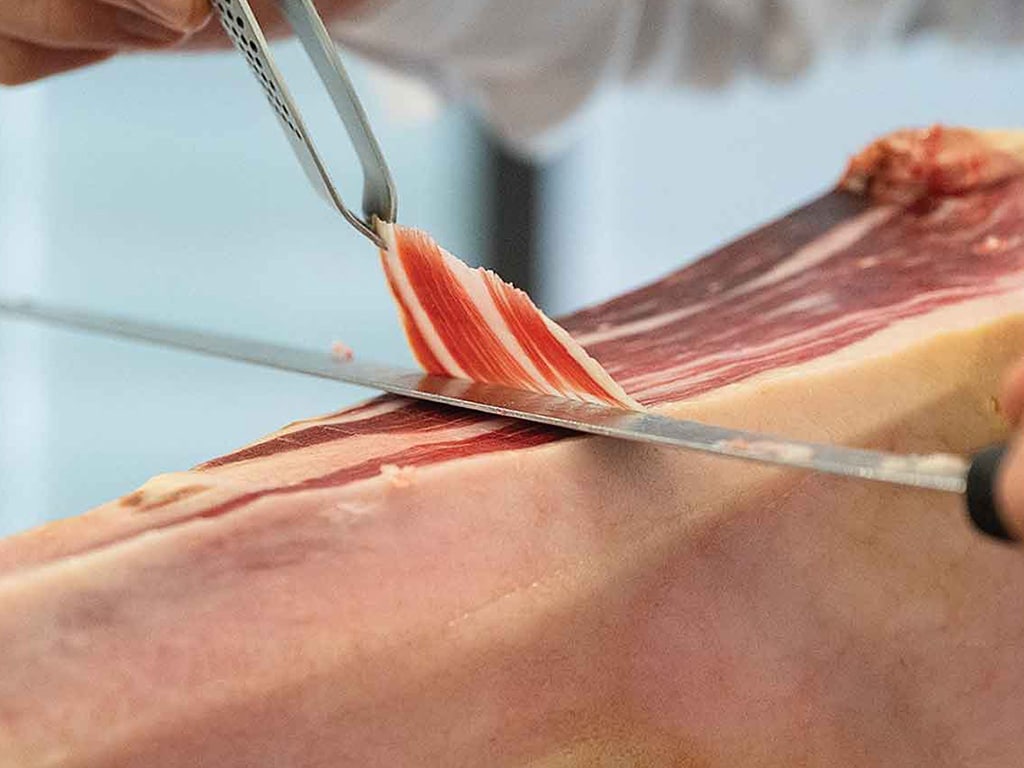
column 399, row 584
column 471, row 324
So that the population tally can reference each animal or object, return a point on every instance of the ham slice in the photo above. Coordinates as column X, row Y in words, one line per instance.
column 472, row 325
column 399, row 584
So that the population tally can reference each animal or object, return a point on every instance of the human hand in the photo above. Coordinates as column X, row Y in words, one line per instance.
column 1010, row 484
column 44, row 37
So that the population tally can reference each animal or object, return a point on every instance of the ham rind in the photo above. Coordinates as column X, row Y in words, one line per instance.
column 470, row 324
column 400, row 584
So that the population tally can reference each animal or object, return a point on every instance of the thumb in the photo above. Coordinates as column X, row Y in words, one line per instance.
column 1010, row 488
column 1011, row 399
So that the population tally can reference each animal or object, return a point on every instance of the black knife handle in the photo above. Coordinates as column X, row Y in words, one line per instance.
column 981, row 493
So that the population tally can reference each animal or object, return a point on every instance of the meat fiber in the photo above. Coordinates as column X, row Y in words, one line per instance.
column 400, row 584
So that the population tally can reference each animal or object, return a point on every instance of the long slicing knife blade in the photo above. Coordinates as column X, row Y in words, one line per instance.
column 938, row 471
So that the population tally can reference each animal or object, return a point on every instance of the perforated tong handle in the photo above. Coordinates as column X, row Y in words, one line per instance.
column 379, row 197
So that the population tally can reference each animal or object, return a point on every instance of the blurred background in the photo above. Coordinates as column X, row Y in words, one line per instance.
column 161, row 188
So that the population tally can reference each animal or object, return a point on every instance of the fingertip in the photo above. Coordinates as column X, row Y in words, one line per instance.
column 145, row 32
column 199, row 15
column 184, row 16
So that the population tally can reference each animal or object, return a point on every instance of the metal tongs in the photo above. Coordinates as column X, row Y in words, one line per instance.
column 379, row 197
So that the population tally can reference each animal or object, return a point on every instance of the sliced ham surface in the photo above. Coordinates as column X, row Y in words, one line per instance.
column 400, row 584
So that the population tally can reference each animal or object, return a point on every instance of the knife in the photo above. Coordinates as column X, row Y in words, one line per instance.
column 974, row 478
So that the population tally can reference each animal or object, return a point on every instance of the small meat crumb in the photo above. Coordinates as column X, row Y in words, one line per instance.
column 342, row 351
column 399, row 477
column 133, row 499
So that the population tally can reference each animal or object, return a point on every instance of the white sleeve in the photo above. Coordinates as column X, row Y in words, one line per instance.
column 530, row 65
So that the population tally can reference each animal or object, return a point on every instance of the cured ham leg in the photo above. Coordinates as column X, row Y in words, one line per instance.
column 404, row 585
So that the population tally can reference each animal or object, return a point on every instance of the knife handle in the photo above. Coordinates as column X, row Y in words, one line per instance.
column 982, row 505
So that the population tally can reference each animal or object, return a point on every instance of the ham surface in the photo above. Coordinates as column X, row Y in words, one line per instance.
column 399, row 584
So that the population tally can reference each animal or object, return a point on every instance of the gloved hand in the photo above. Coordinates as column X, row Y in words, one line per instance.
column 44, row 37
